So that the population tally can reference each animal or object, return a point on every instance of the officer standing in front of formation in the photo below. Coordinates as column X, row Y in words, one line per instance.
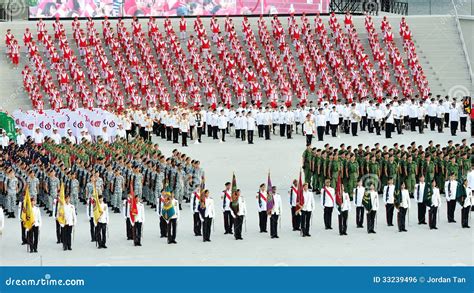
column 56, row 204
column 262, row 208
column 419, row 195
column 466, row 202
column 139, row 222
column 388, row 198
column 327, row 202
column 295, row 217
column 308, row 129
column 373, row 198
column 275, row 213
column 435, row 204
column 101, row 227
column 358, row 196
column 226, row 200
column 195, row 199
column 450, row 191
column 159, row 211
column 239, row 211
column 404, row 206
column 33, row 233
column 306, row 210
column 206, row 207
column 127, row 205
column 70, row 222
column 344, row 212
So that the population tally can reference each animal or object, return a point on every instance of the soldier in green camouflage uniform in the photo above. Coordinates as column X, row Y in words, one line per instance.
column 307, row 156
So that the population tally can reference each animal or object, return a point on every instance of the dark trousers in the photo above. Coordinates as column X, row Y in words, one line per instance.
column 295, row 219
column 377, row 127
column 175, row 135
column 326, row 130
column 432, row 120
column 58, row 232
column 327, row 217
column 164, row 227
column 402, row 212
column 388, row 130
column 389, row 212
column 92, row 229
column 184, row 138
column 238, row 223
column 32, row 236
column 371, row 221
column 297, row 125
column 309, row 138
column 363, row 123
column 305, row 222
column 262, row 220
column 66, row 234
column 171, row 231
column 320, row 131
column 242, row 134
column 451, row 210
column 222, row 134
column 206, row 229
column 197, row 224
column 343, row 222
column 215, row 132
column 169, row 132
column 101, row 234
column 465, row 216
column 250, row 136
column 267, row 132
column 333, row 130
column 432, row 216
column 138, row 233
column 421, row 125
column 454, row 127
column 360, row 217
column 209, row 130
column 421, row 213
column 439, row 122
column 128, row 229
column 24, row 238
column 371, row 125
column 260, row 130
column 282, row 130
column 274, row 225
column 237, row 133
column 228, row 222
column 289, row 130
column 354, row 128
column 413, row 122
column 463, row 123
column 446, row 119
column 199, row 133
column 191, row 130
column 346, row 126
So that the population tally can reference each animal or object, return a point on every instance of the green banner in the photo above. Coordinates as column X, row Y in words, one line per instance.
column 8, row 124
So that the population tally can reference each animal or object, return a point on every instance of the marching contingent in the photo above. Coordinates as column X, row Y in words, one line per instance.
column 125, row 177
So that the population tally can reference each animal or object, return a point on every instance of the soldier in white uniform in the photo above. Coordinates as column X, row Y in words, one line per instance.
column 358, row 195
column 70, row 222
column 262, row 208
column 435, row 205
column 139, row 221
column 419, row 195
column 101, row 228
column 33, row 233
column 250, row 127
column 194, row 205
column 238, row 211
column 207, row 203
column 327, row 203
column 226, row 200
column 388, row 199
column 295, row 217
column 372, row 213
column 450, row 191
column 466, row 202
column 275, row 213
column 403, row 207
column 306, row 211
column 343, row 212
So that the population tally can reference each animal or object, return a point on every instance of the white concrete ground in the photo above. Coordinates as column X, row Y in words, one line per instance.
column 450, row 245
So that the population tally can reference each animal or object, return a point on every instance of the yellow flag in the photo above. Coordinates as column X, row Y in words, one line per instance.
column 27, row 215
column 62, row 201
column 97, row 208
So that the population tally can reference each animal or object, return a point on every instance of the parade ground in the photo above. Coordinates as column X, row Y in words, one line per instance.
column 450, row 245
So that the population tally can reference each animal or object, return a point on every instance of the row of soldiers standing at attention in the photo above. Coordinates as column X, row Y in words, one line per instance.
column 407, row 163
column 111, row 169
